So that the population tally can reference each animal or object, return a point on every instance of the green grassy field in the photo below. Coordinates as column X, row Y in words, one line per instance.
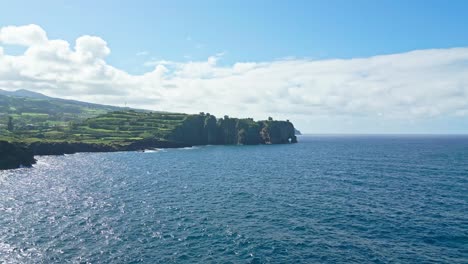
column 114, row 127
column 46, row 119
column 28, row 112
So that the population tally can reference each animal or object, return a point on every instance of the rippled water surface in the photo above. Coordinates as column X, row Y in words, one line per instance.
column 328, row 199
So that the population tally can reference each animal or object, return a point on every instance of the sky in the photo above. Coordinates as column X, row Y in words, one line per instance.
column 328, row 66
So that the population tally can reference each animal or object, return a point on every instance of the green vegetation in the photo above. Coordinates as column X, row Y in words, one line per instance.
column 125, row 127
column 119, row 127
column 45, row 126
column 32, row 117
column 29, row 112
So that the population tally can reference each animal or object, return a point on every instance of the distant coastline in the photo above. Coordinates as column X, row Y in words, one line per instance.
column 20, row 153
column 34, row 124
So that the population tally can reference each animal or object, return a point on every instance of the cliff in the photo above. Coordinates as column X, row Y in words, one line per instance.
column 15, row 155
column 207, row 130
column 130, row 131
column 278, row 132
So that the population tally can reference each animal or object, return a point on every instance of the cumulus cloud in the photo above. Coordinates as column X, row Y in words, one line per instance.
column 407, row 86
column 91, row 47
column 23, row 35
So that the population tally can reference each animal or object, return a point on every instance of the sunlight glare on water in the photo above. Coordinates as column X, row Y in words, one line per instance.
column 335, row 199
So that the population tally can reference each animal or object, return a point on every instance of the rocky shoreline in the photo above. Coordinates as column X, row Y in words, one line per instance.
column 16, row 154
column 200, row 130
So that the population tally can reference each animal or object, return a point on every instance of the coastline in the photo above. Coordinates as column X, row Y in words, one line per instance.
column 15, row 155
column 107, row 136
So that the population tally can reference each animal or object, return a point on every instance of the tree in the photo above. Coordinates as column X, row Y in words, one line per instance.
column 270, row 118
column 72, row 125
column 10, row 124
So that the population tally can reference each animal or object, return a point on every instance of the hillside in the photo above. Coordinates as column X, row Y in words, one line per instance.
column 34, row 109
column 125, row 127
column 118, row 127
column 36, row 117
column 33, row 124
column 24, row 93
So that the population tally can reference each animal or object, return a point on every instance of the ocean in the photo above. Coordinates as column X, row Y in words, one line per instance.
column 327, row 199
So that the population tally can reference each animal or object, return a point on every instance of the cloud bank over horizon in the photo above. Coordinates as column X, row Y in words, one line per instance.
column 399, row 88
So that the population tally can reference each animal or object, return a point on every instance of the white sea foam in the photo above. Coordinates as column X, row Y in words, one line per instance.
column 41, row 162
column 189, row 148
column 151, row 150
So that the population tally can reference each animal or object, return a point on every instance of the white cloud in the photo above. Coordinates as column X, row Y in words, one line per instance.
column 23, row 35
column 90, row 47
column 396, row 88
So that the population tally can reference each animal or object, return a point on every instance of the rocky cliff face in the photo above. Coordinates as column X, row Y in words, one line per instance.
column 15, row 155
column 195, row 130
column 206, row 129
column 278, row 132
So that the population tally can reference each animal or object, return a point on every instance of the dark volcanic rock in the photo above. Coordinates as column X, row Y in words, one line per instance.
column 192, row 131
column 15, row 155
column 248, row 132
column 60, row 148
column 210, row 130
column 205, row 129
column 278, row 132
column 202, row 129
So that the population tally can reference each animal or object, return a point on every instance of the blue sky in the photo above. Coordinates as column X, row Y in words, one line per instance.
column 185, row 34
column 248, row 30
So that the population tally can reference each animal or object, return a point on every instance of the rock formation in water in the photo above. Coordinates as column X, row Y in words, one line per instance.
column 207, row 130
column 278, row 132
column 15, row 155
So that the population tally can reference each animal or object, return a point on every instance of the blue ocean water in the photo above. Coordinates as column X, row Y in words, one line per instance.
column 328, row 199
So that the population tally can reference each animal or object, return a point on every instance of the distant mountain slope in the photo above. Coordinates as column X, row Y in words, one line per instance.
column 30, row 94
column 31, row 108
column 23, row 93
